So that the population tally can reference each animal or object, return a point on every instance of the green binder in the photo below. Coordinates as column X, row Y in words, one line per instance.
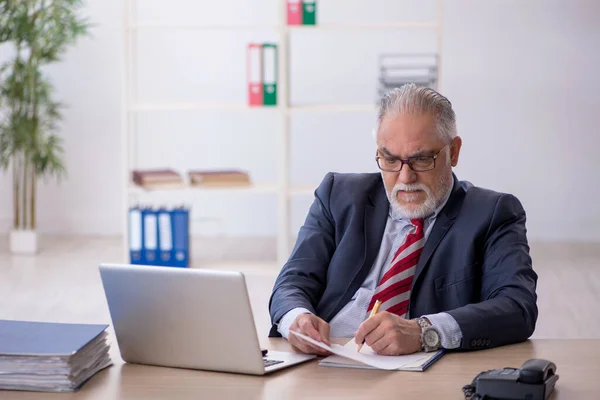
column 269, row 74
column 309, row 12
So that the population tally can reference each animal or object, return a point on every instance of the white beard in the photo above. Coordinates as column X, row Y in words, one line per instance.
column 432, row 200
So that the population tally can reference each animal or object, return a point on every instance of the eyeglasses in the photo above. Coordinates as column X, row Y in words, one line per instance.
column 417, row 164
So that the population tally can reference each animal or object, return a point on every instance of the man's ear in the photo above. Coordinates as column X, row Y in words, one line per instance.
column 455, row 150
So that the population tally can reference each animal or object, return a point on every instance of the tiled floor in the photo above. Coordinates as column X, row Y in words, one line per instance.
column 62, row 283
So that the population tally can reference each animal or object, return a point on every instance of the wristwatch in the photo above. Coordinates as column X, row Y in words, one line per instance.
column 430, row 337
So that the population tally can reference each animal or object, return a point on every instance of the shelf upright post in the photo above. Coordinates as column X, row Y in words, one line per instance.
column 440, row 43
column 283, row 139
column 126, row 121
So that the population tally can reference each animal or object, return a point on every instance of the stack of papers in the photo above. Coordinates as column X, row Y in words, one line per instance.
column 41, row 356
column 348, row 356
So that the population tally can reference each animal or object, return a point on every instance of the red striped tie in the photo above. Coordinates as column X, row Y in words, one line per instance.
column 394, row 287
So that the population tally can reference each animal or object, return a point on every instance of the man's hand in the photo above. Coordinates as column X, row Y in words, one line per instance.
column 388, row 334
column 313, row 327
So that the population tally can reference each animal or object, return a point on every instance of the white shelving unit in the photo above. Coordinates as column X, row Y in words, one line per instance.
column 282, row 188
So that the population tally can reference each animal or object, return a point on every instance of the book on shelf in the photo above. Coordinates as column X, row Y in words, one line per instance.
column 50, row 357
column 216, row 178
column 157, row 178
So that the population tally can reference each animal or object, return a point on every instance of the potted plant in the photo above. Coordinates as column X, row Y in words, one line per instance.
column 39, row 32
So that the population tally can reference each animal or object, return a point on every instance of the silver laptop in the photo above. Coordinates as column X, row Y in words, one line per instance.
column 187, row 318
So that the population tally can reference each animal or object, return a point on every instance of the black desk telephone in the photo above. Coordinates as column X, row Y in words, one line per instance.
column 535, row 380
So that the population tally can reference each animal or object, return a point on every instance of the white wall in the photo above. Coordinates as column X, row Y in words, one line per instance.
column 523, row 77
column 88, row 81
column 520, row 75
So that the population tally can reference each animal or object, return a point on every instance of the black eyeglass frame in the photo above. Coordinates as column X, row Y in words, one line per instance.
column 409, row 162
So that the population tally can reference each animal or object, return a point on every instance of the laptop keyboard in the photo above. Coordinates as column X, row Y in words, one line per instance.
column 269, row 363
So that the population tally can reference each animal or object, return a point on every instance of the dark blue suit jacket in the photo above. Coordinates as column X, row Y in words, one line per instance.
column 475, row 264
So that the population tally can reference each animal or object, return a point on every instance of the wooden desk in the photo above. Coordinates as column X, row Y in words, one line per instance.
column 578, row 364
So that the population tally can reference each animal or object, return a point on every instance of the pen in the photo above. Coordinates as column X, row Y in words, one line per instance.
column 373, row 312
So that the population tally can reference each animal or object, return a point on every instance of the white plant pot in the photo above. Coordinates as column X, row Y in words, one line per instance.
column 23, row 242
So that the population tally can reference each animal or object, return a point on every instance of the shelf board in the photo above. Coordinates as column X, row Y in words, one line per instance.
column 190, row 106
column 221, row 27
column 396, row 25
column 259, row 188
column 304, row 190
column 193, row 106
column 326, row 26
column 336, row 107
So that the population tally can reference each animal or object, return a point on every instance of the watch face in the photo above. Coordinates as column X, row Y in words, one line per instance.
column 431, row 338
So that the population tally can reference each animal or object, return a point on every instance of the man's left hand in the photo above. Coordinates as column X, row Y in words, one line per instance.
column 388, row 334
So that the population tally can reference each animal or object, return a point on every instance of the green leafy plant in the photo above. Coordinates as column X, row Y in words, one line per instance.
column 39, row 32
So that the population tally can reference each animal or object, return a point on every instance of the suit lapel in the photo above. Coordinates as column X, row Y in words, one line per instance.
column 376, row 215
column 442, row 224
column 376, row 212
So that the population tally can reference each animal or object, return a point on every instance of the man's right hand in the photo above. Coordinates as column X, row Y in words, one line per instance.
column 313, row 327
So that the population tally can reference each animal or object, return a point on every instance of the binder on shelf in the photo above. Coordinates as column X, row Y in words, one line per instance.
column 269, row 53
column 165, row 238
column 254, row 74
column 309, row 12
column 180, row 220
column 294, row 12
column 136, row 250
column 150, row 235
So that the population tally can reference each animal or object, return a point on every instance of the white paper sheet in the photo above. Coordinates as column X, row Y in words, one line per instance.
column 368, row 358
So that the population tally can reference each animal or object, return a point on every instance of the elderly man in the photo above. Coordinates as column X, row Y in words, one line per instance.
column 448, row 261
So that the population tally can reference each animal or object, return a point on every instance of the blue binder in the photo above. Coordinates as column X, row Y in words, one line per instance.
column 136, row 253
column 180, row 221
column 32, row 338
column 165, row 238
column 150, row 236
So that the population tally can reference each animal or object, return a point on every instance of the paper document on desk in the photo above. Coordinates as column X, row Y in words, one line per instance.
column 348, row 356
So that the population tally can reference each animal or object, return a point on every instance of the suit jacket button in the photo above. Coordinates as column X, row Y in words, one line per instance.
column 473, row 343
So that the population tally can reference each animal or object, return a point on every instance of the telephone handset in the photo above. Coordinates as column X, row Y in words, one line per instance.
column 535, row 380
column 536, row 371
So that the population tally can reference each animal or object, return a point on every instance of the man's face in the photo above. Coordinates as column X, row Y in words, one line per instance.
column 415, row 194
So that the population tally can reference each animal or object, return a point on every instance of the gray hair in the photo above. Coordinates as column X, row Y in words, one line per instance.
column 413, row 99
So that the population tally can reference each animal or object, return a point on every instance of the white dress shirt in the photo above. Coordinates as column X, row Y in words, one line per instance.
column 345, row 323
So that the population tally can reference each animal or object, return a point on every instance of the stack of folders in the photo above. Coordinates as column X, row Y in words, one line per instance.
column 159, row 236
column 396, row 70
column 40, row 356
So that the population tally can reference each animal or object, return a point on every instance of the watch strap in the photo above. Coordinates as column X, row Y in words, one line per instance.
column 425, row 325
column 423, row 322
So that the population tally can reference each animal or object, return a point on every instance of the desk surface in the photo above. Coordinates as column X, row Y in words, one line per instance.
column 578, row 367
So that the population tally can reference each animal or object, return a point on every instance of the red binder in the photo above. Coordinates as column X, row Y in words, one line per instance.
column 294, row 12
column 254, row 74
